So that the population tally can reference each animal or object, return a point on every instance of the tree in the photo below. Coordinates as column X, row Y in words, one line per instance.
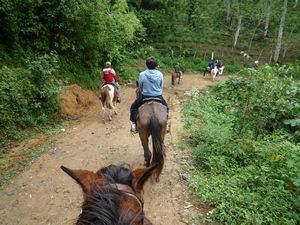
column 268, row 15
column 280, row 32
column 228, row 10
column 237, row 31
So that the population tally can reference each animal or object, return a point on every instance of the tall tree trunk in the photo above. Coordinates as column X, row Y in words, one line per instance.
column 228, row 10
column 287, row 44
column 295, row 5
column 253, row 35
column 237, row 32
column 280, row 32
column 268, row 15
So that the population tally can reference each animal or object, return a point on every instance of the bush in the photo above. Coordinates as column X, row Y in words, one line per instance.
column 261, row 103
column 247, row 160
column 28, row 95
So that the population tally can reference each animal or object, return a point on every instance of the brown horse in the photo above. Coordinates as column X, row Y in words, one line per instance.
column 108, row 99
column 175, row 76
column 112, row 195
column 152, row 121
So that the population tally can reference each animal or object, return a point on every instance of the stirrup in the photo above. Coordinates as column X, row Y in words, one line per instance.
column 168, row 128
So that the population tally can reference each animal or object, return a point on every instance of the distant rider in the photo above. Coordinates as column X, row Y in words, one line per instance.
column 218, row 64
column 178, row 70
column 256, row 65
column 211, row 65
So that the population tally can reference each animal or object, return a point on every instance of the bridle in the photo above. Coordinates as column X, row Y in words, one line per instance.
column 128, row 191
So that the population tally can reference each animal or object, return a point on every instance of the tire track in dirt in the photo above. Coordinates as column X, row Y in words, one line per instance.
column 43, row 194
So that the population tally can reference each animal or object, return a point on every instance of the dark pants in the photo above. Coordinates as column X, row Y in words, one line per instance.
column 139, row 101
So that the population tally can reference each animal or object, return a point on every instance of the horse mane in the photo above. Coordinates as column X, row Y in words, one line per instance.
column 101, row 205
column 117, row 174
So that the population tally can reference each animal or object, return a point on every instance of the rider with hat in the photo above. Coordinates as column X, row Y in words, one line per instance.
column 256, row 65
column 109, row 77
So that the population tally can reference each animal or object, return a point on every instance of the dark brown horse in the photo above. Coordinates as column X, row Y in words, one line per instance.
column 175, row 76
column 112, row 195
column 152, row 121
column 108, row 100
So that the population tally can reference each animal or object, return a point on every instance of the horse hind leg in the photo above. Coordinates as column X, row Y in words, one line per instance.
column 145, row 144
column 103, row 108
column 115, row 108
column 214, row 76
column 172, row 79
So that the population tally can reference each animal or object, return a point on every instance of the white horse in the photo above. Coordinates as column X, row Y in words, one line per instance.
column 214, row 72
column 108, row 100
column 220, row 72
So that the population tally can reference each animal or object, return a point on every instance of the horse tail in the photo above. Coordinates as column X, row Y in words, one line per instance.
column 158, row 147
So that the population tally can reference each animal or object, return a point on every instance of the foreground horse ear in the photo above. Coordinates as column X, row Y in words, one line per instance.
column 84, row 178
column 140, row 176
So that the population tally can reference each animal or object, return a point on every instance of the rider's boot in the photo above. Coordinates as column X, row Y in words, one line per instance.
column 118, row 99
column 168, row 129
column 133, row 128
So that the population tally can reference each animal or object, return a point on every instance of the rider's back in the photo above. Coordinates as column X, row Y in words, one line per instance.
column 108, row 75
column 151, row 82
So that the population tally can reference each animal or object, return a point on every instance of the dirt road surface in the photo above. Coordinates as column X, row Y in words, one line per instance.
column 43, row 194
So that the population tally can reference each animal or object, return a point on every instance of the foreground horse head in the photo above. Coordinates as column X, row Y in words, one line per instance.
column 108, row 99
column 152, row 120
column 112, row 195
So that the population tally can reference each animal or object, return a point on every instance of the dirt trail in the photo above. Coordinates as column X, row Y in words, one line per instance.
column 43, row 194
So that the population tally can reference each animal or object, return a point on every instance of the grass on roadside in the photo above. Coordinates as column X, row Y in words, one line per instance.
column 15, row 160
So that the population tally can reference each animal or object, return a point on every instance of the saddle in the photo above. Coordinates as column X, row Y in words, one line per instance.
column 114, row 86
column 177, row 74
column 105, row 83
column 151, row 99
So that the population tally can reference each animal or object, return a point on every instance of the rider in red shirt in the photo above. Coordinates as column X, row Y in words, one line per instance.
column 109, row 77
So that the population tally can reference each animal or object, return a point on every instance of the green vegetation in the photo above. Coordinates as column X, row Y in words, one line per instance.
column 246, row 148
column 246, row 151
column 28, row 96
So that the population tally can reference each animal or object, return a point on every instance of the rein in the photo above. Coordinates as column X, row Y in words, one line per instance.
column 138, row 197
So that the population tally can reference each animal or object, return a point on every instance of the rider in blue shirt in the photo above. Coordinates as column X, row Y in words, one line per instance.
column 150, row 85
